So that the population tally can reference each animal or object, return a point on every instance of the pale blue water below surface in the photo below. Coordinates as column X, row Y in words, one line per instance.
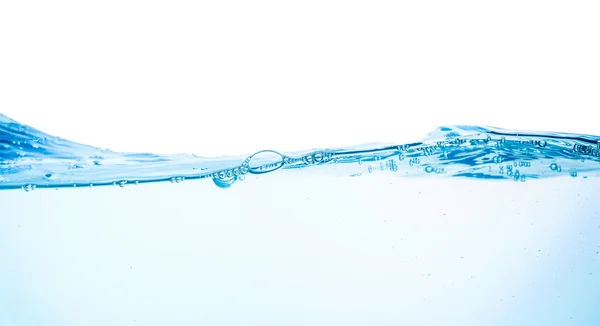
column 468, row 226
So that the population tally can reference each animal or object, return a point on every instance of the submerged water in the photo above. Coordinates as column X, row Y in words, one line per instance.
column 468, row 226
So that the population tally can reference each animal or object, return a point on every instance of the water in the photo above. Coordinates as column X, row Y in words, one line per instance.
column 468, row 226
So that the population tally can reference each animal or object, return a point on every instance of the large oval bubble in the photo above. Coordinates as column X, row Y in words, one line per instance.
column 265, row 161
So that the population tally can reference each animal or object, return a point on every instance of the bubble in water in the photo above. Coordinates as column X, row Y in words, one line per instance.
column 517, row 175
column 401, row 157
column 559, row 169
column 268, row 161
column 553, row 166
column 137, row 182
column 91, row 185
column 243, row 169
column 48, row 175
column 574, row 174
column 523, row 178
column 28, row 187
column 318, row 157
column 370, row 169
column 392, row 166
column 360, row 161
column 225, row 182
column 381, row 166
column 429, row 169
column 122, row 183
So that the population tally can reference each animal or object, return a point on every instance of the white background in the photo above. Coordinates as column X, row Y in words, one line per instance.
column 223, row 77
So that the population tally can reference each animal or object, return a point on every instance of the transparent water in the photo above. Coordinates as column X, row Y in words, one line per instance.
column 469, row 226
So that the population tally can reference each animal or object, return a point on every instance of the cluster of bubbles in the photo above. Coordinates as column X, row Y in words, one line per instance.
column 555, row 167
column 586, row 150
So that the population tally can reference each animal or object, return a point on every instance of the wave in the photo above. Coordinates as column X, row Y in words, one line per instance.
column 31, row 159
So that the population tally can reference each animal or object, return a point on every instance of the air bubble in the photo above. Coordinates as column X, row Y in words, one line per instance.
column 429, row 169
column 573, row 174
column 122, row 183
column 401, row 157
column 559, row 169
column 48, row 175
column 370, row 169
column 28, row 187
column 393, row 166
column 517, row 175
column 360, row 161
column 268, row 161
column 318, row 157
column 553, row 166
column 522, row 178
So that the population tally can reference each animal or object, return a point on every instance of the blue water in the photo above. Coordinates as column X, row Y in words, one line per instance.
column 31, row 159
column 468, row 226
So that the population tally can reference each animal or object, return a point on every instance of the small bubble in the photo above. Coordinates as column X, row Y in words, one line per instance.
column 360, row 162
column 401, row 157
column 243, row 170
column 242, row 177
column 370, row 169
column 428, row 169
column 318, row 157
column 573, row 174
column 48, row 175
column 122, row 183
column 522, row 178
column 553, row 166
column 91, row 185
column 137, row 182
column 559, row 169
column 381, row 166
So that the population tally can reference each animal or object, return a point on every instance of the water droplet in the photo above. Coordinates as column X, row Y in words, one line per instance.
column 428, row 169
column 553, row 166
column 370, row 169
